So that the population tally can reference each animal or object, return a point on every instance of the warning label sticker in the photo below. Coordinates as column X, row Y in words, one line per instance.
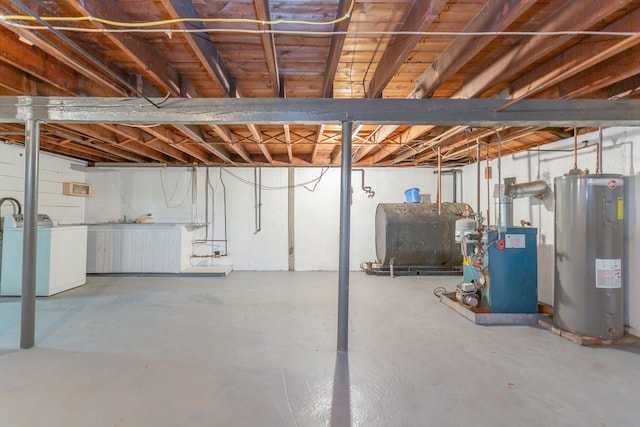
column 608, row 273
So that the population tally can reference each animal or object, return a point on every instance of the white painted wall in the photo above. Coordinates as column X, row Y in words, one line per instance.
column 167, row 194
column 54, row 170
column 621, row 155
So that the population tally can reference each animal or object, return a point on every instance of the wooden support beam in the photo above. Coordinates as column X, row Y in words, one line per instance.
column 131, row 134
column 534, row 48
column 335, row 49
column 37, row 63
column 268, row 45
column 145, row 56
column 202, row 45
column 287, row 137
column 109, row 148
column 317, row 139
column 586, row 54
column 420, row 18
column 616, row 69
column 495, row 16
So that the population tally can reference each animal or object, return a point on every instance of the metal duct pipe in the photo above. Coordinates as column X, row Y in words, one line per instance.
column 527, row 189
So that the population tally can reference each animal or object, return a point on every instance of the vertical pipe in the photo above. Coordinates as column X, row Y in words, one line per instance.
column 30, row 238
column 345, row 229
column 575, row 148
column 478, row 176
column 455, row 185
column 291, row 216
column 194, row 194
column 488, row 190
column 439, row 180
column 599, row 153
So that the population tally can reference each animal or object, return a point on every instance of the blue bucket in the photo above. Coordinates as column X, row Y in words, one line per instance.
column 412, row 195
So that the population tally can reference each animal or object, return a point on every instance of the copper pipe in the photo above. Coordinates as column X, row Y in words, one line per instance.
column 488, row 191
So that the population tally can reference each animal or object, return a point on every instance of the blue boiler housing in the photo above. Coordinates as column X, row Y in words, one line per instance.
column 510, row 272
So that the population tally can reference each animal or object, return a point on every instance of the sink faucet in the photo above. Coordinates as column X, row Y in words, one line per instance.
column 16, row 207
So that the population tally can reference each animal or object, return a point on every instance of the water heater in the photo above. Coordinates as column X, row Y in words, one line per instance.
column 589, row 254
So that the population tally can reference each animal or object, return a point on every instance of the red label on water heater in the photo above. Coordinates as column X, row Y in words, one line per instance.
column 612, row 184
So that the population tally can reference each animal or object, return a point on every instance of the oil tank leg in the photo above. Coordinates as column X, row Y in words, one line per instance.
column 345, row 226
column 29, row 249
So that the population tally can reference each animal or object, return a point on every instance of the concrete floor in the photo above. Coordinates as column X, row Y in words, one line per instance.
column 258, row 349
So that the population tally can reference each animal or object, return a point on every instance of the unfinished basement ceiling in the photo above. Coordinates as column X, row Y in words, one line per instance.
column 511, row 49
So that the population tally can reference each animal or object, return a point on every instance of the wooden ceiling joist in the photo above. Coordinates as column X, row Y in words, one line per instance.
column 362, row 52
column 533, row 48
column 419, row 19
column 337, row 42
column 495, row 16
column 145, row 57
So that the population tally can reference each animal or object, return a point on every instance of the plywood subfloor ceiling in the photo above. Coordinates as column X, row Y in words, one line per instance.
column 511, row 49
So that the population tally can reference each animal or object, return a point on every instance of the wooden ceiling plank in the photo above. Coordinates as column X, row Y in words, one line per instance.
column 419, row 18
column 536, row 47
column 335, row 50
column 268, row 44
column 37, row 63
column 144, row 55
column 617, row 69
column 202, row 45
column 148, row 59
column 62, row 54
column 576, row 59
column 495, row 16
column 204, row 48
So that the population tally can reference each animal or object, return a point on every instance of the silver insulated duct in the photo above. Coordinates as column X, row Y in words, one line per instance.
column 589, row 254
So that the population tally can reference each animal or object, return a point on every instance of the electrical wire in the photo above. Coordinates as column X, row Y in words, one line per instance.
column 146, row 24
column 284, row 187
column 317, row 180
column 169, row 32
column 175, row 189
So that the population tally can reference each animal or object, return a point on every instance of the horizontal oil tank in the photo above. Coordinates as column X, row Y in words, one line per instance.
column 414, row 234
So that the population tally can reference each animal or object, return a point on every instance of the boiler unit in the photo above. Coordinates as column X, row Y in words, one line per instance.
column 589, row 254
column 503, row 266
column 417, row 235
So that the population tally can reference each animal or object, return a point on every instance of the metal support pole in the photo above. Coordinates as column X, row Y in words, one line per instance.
column 439, row 196
column 345, row 229
column 30, row 238
column 478, row 176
